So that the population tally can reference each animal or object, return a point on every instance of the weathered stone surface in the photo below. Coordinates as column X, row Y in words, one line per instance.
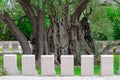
column 87, row 65
column 10, row 64
column 47, row 65
column 100, row 46
column 28, row 65
column 107, row 65
column 5, row 48
column 15, row 49
column 67, row 65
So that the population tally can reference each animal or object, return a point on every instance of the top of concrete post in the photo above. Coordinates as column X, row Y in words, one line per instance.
column 87, row 55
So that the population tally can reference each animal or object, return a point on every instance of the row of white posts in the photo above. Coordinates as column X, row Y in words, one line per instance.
column 67, row 65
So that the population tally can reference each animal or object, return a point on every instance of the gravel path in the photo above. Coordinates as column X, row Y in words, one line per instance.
column 58, row 78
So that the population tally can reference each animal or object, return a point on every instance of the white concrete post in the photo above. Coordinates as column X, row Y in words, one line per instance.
column 15, row 48
column 67, row 65
column 28, row 65
column 5, row 48
column 107, row 65
column 47, row 65
column 10, row 64
column 87, row 65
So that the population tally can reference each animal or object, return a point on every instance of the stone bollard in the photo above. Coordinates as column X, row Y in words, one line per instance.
column 15, row 49
column 107, row 65
column 5, row 48
column 47, row 65
column 28, row 65
column 67, row 65
column 87, row 65
column 10, row 64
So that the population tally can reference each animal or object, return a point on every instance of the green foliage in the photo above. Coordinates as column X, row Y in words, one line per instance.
column 5, row 34
column 113, row 13
column 116, row 29
column 15, row 12
column 47, row 20
column 101, row 26
column 25, row 27
column 3, row 5
column 23, row 24
column 114, row 16
column 3, row 71
column 99, row 36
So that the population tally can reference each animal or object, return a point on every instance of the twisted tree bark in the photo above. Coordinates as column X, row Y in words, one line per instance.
column 65, row 35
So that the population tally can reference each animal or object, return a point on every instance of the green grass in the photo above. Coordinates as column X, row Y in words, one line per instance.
column 116, row 63
column 1, row 61
column 77, row 69
column 97, row 69
column 10, row 49
column 19, row 62
column 0, row 49
column 57, row 69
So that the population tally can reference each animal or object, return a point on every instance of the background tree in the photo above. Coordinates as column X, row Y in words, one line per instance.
column 69, row 32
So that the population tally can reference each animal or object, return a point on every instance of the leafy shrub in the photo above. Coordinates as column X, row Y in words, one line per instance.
column 99, row 36
column 116, row 29
column 25, row 27
column 5, row 34
column 101, row 26
column 114, row 16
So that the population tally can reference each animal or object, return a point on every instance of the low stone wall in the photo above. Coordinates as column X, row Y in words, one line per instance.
column 100, row 45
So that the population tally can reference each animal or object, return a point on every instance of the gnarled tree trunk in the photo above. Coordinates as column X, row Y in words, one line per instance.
column 64, row 37
column 17, row 33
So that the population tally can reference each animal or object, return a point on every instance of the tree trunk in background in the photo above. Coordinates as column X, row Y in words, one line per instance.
column 63, row 37
column 63, row 41
column 78, row 45
column 58, row 39
column 17, row 33
column 39, row 38
column 41, row 45
column 67, row 35
column 39, row 35
column 53, row 39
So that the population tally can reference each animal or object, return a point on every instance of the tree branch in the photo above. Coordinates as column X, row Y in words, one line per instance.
column 117, row 1
column 20, row 18
column 78, row 11
column 28, row 11
column 16, row 32
column 26, row 1
column 109, row 46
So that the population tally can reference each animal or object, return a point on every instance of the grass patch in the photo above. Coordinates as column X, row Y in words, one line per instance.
column 19, row 56
column 77, row 69
column 0, row 49
column 97, row 69
column 1, row 61
column 116, row 63
column 58, row 71
column 10, row 49
column 38, row 70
